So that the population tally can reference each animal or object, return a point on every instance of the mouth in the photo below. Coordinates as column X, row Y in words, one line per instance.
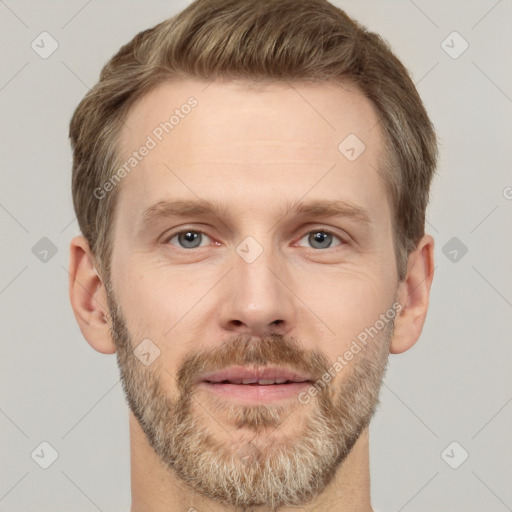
column 255, row 385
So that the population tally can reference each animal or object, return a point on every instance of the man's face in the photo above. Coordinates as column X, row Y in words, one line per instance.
column 256, row 291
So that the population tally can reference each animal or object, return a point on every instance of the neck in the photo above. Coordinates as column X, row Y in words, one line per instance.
column 156, row 489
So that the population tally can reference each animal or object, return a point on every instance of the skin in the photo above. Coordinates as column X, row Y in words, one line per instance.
column 273, row 146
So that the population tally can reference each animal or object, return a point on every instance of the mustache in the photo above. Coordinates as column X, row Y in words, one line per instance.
column 245, row 350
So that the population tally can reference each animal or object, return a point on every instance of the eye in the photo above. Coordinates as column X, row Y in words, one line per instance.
column 322, row 239
column 188, row 239
column 193, row 239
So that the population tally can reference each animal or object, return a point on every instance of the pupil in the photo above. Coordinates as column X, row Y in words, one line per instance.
column 322, row 238
column 189, row 238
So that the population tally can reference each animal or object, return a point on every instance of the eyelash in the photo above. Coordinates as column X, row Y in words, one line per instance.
column 316, row 230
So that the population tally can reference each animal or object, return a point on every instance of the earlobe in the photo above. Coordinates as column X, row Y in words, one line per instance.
column 88, row 297
column 413, row 295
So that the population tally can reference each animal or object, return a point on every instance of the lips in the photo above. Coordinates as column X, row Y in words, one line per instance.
column 266, row 376
column 254, row 386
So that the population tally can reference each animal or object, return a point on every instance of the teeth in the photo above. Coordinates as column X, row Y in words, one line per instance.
column 251, row 380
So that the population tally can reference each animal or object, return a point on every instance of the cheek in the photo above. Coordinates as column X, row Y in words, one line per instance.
column 346, row 302
column 155, row 295
column 160, row 305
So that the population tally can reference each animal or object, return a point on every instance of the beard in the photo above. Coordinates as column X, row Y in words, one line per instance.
column 258, row 462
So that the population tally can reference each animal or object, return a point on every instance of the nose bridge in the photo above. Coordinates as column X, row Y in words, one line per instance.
column 254, row 266
column 258, row 300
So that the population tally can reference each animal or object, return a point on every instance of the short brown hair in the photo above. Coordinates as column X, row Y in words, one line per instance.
column 259, row 41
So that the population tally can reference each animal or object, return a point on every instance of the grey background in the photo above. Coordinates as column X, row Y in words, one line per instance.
column 453, row 385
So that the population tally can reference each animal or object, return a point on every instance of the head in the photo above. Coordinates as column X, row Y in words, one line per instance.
column 266, row 117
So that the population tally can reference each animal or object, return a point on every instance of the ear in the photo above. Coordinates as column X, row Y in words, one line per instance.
column 88, row 297
column 413, row 295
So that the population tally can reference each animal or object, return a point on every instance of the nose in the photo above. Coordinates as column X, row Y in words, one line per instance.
column 258, row 300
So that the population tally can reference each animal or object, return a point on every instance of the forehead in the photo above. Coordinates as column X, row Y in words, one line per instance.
column 316, row 115
column 261, row 141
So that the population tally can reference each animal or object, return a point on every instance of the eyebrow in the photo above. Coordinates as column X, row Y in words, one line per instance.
column 320, row 208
